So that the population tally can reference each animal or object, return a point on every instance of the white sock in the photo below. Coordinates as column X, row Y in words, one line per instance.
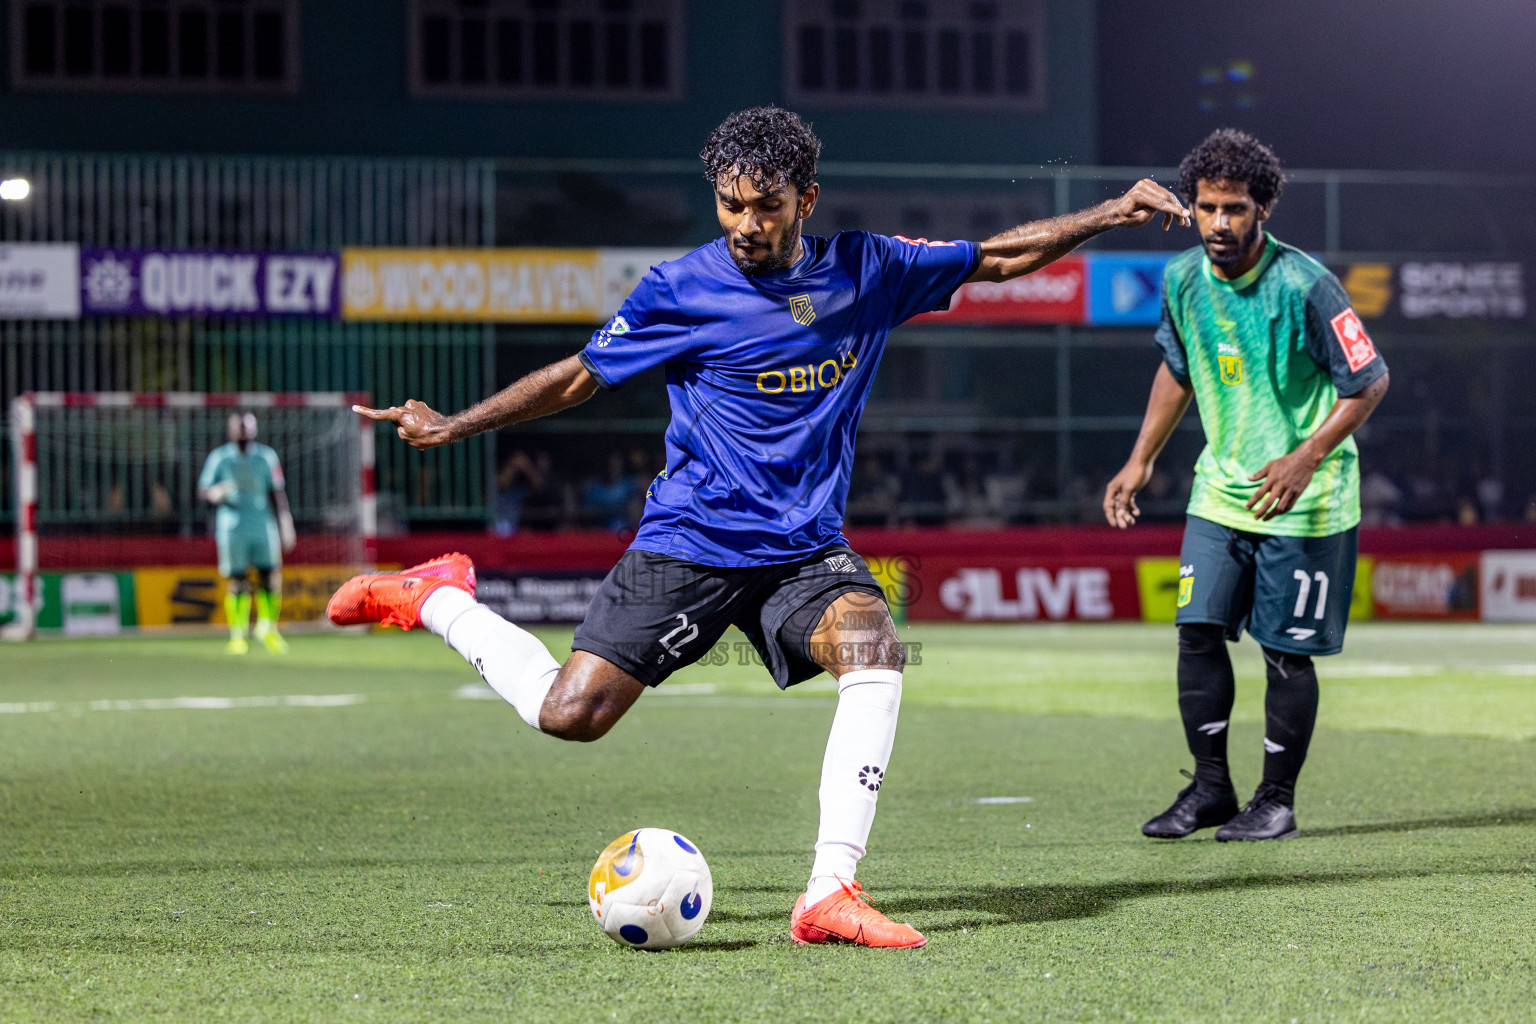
column 511, row 660
column 858, row 753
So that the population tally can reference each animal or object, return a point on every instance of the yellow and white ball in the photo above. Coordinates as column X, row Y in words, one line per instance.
column 650, row 889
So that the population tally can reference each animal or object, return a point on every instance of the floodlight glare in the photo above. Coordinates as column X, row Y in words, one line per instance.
column 15, row 189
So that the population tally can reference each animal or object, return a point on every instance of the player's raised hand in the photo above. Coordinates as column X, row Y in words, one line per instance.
column 417, row 423
column 1120, row 496
column 1146, row 200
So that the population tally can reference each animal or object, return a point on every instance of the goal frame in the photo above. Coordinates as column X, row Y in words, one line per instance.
column 24, row 441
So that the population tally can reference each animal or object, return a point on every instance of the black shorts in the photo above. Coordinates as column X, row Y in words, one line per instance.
column 655, row 614
column 1292, row 594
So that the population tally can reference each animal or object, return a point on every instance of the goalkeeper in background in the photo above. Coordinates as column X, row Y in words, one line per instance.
column 244, row 481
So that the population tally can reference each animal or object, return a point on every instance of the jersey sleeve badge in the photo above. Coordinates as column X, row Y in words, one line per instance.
column 1359, row 350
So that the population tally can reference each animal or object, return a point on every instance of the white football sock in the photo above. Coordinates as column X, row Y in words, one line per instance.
column 858, row 752
column 511, row 660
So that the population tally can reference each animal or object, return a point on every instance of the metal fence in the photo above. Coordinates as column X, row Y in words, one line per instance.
column 1055, row 405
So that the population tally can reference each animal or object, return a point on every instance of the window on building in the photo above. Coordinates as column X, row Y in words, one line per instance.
column 523, row 49
column 155, row 45
column 978, row 54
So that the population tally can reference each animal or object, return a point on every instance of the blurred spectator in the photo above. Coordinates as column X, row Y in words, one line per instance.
column 606, row 502
column 1380, row 500
column 1007, row 490
column 521, row 479
column 872, row 494
column 922, row 492
column 966, row 503
column 1466, row 512
column 643, row 470
column 1490, row 497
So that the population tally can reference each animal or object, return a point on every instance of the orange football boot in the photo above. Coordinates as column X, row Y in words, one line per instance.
column 846, row 916
column 457, row 569
column 395, row 598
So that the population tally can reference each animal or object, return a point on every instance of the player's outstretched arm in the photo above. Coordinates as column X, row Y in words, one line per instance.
column 1165, row 407
column 1286, row 477
column 542, row 392
column 1031, row 246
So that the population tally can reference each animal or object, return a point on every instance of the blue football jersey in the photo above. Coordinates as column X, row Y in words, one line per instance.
column 767, row 377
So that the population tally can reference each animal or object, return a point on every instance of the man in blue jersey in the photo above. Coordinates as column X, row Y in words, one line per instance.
column 770, row 340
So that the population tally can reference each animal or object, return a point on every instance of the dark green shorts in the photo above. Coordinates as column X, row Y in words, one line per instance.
column 1290, row 593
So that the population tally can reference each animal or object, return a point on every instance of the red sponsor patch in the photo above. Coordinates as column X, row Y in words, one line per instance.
column 1358, row 348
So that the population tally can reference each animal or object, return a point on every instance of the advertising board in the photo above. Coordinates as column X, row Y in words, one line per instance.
column 185, row 282
column 1056, row 294
column 1508, row 586
column 475, row 285
column 188, row 595
column 1425, row 586
column 1126, row 289
column 39, row 282
column 1007, row 589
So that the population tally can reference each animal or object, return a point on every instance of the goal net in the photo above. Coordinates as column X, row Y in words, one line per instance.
column 111, row 533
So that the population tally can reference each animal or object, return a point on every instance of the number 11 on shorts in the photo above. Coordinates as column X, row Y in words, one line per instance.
column 1301, row 576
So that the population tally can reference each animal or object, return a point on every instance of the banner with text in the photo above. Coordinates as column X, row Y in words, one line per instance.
column 1437, row 289
column 1508, row 586
column 1056, row 294
column 546, row 286
column 1022, row 589
column 192, row 595
column 39, row 282
column 155, row 282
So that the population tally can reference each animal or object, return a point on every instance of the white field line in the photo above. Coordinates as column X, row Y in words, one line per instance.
column 1390, row 670
column 298, row 700
column 679, row 694
column 1004, row 800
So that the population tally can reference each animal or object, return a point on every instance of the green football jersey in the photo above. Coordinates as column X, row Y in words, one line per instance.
column 1267, row 355
column 256, row 473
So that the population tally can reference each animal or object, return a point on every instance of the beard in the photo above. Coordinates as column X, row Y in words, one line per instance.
column 778, row 257
column 1238, row 254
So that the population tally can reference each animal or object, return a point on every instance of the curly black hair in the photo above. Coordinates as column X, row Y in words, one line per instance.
column 772, row 147
column 1231, row 155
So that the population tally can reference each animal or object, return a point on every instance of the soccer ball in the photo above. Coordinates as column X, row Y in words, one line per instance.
column 650, row 889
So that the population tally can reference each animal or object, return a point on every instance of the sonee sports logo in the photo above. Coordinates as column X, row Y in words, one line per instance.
column 841, row 563
column 870, row 777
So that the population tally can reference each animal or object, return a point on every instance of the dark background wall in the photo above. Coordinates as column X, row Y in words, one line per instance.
column 354, row 100
column 1418, row 84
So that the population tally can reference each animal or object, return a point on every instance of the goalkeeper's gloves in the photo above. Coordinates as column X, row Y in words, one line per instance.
column 219, row 494
column 286, row 533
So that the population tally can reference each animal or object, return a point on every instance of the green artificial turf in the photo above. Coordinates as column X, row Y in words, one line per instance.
column 400, row 851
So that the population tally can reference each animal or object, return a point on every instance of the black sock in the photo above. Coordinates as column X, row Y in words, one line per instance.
column 1206, row 689
column 1290, row 712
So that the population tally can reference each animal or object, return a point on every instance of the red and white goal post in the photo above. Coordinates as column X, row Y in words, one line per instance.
column 106, row 500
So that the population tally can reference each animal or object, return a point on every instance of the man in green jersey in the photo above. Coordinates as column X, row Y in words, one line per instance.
column 1264, row 337
column 244, row 480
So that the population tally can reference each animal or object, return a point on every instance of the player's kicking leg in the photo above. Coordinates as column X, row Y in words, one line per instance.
column 580, row 700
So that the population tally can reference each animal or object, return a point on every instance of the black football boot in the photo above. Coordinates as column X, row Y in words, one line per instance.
column 1198, row 806
column 1267, row 816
